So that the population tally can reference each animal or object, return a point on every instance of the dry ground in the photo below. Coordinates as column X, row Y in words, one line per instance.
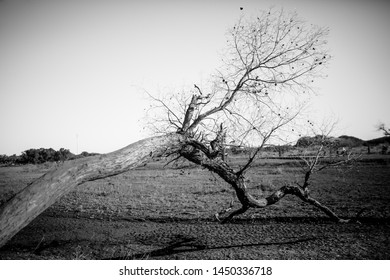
column 168, row 213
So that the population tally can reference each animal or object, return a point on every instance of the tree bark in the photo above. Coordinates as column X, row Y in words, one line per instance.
column 237, row 181
column 42, row 193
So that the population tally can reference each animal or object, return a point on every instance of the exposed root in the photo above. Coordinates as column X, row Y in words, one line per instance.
column 236, row 180
column 251, row 202
column 223, row 211
column 239, row 211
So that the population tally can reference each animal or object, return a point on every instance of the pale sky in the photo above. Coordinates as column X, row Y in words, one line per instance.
column 71, row 71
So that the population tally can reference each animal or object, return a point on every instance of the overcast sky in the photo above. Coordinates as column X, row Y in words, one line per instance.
column 71, row 71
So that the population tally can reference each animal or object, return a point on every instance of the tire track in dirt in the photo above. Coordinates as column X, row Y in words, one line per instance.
column 50, row 237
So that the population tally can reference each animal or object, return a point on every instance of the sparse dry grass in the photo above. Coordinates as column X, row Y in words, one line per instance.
column 93, row 220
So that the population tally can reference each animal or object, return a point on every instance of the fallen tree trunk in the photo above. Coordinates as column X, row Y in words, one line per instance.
column 42, row 193
column 26, row 205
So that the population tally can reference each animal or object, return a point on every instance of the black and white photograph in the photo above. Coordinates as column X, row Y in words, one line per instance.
column 195, row 130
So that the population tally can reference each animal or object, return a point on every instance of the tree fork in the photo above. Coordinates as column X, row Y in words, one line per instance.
column 26, row 205
column 277, row 196
column 247, row 201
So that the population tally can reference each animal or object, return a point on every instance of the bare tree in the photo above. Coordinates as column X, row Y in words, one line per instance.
column 268, row 69
column 382, row 127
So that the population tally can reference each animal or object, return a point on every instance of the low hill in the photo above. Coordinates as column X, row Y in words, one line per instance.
column 378, row 141
column 350, row 141
column 342, row 141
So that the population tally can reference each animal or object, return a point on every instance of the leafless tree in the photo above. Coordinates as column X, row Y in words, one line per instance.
column 270, row 64
column 382, row 127
column 256, row 96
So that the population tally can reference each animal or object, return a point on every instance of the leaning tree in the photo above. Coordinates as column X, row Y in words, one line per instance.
column 257, row 95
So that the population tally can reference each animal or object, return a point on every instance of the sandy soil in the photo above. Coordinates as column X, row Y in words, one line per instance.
column 50, row 237
column 155, row 213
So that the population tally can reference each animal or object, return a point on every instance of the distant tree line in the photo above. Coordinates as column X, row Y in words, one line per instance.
column 342, row 141
column 331, row 143
column 346, row 142
column 42, row 155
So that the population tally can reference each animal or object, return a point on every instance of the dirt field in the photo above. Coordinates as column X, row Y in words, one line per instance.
column 168, row 213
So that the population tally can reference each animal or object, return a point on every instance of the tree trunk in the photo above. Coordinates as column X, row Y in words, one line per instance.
column 247, row 201
column 42, row 193
column 20, row 210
